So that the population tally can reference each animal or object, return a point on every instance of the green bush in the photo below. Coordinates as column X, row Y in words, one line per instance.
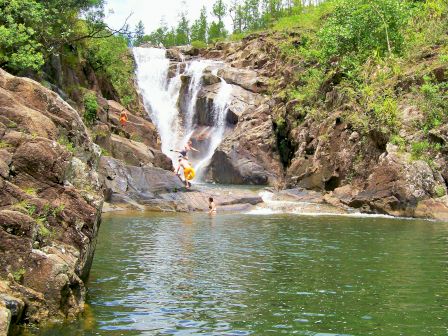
column 110, row 57
column 63, row 141
column 434, row 103
column 360, row 28
column 90, row 107
column 420, row 149
column 398, row 141
column 439, row 190
column 199, row 44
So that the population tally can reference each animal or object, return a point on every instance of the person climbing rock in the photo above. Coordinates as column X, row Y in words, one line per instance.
column 184, row 152
column 123, row 117
column 211, row 206
column 189, row 172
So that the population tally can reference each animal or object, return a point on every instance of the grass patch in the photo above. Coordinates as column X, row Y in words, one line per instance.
column 19, row 274
column 310, row 18
column 90, row 108
column 4, row 144
column 30, row 191
column 65, row 142
column 439, row 190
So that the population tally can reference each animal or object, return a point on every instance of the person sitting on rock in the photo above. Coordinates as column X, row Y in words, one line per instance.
column 123, row 117
column 189, row 172
column 188, row 147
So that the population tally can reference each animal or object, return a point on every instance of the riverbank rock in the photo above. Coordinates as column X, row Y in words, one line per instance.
column 155, row 189
column 50, row 204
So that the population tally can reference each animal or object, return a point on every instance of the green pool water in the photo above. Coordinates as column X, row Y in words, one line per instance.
column 237, row 274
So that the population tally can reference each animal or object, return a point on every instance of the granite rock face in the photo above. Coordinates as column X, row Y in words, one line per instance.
column 50, row 204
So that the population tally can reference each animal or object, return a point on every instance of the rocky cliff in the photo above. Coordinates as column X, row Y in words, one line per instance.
column 330, row 149
column 50, row 204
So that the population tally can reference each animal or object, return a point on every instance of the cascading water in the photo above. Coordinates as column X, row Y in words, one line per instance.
column 195, row 70
column 161, row 98
column 220, row 109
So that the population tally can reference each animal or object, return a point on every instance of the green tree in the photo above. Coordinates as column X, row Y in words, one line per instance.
column 217, row 29
column 236, row 11
column 19, row 44
column 252, row 18
column 272, row 10
column 361, row 27
column 139, row 33
column 31, row 30
column 219, row 10
column 200, row 27
column 183, row 30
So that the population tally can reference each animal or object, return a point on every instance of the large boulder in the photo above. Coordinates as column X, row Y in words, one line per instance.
column 155, row 189
column 246, row 78
column 399, row 185
column 138, row 128
column 248, row 155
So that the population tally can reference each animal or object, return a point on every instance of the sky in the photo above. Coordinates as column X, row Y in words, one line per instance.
column 152, row 11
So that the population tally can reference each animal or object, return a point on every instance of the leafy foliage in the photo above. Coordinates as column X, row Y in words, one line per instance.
column 90, row 107
column 31, row 29
column 363, row 27
column 110, row 57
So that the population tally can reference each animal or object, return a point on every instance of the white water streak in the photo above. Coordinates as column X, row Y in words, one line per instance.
column 220, row 109
column 195, row 70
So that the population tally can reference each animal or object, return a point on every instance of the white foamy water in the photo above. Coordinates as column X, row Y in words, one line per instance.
column 159, row 96
column 276, row 207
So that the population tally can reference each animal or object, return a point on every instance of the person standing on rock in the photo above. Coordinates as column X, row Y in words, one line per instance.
column 189, row 172
column 188, row 147
column 123, row 117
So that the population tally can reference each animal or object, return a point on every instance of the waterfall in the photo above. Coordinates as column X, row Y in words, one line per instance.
column 161, row 99
column 159, row 96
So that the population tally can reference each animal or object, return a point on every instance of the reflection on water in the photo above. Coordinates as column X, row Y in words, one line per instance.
column 191, row 274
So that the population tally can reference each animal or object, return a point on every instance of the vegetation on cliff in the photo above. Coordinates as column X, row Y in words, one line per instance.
column 55, row 41
column 373, row 58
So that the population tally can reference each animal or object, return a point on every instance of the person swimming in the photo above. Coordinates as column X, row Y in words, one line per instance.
column 211, row 206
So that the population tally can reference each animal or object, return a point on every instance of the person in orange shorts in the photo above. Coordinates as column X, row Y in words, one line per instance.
column 123, row 117
column 189, row 172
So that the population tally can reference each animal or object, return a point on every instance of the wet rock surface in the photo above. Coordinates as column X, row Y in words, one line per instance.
column 155, row 189
column 50, row 204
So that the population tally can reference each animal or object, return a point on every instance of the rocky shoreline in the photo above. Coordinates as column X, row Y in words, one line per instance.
column 50, row 204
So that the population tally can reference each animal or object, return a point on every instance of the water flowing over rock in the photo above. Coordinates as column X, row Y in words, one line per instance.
column 204, row 101
column 50, row 204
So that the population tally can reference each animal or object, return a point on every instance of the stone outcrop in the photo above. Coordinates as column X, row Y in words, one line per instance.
column 50, row 204
column 248, row 155
column 136, row 143
column 155, row 189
